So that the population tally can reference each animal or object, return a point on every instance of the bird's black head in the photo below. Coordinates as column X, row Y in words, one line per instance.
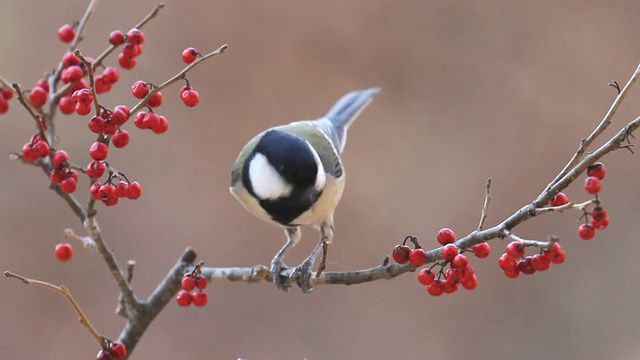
column 291, row 156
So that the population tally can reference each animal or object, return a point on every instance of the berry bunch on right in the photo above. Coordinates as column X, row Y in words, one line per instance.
column 191, row 281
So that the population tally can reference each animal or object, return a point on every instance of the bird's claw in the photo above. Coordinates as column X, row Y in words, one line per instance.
column 302, row 275
column 282, row 282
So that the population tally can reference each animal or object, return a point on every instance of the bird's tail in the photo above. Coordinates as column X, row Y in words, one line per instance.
column 346, row 110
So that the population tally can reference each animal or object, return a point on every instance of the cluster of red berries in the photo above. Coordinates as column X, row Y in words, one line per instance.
column 598, row 217
column 189, row 95
column 110, row 194
column 443, row 281
column 191, row 281
column 5, row 95
column 61, row 173
column 115, row 350
column 513, row 261
column 36, row 148
column 132, row 46
column 63, row 251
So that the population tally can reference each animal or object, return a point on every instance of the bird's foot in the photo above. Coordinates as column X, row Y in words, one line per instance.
column 282, row 282
column 302, row 275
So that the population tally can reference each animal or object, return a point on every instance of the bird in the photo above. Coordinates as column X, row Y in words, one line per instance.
column 292, row 175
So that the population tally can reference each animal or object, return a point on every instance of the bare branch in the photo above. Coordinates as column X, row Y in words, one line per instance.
column 65, row 292
column 485, row 206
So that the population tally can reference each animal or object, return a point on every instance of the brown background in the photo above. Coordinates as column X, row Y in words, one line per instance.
column 471, row 90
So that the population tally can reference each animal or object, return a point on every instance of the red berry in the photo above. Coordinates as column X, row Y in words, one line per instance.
column 140, row 89
column 155, row 100
column 4, row 105
column 586, row 231
column 41, row 148
column 95, row 169
column 597, row 170
column 188, row 282
column 466, row 272
column 68, row 185
column 426, row 276
column 200, row 298
column 190, row 97
column 515, row 249
column 150, row 120
column 83, row 96
column 94, row 190
column 450, row 251
column 71, row 74
column 98, row 151
column 66, row 33
column 69, row 59
column 134, row 190
column 126, row 62
column 104, row 355
column 189, row 55
column 102, row 86
column 512, row 273
column 435, row 288
column 417, row 257
column 525, row 266
column 460, row 261
column 58, row 157
column 600, row 224
column 449, row 287
column 559, row 200
column 559, row 257
column 97, row 124
column 184, row 298
column 593, row 185
column 67, row 105
column 56, row 175
column 116, row 38
column 469, row 283
column 540, row 262
column 120, row 139
column 118, row 350
column 121, row 189
column 453, row 275
column 131, row 50
column 139, row 120
column 506, row 262
column 162, row 126
column 64, row 251
column 599, row 213
column 111, row 75
column 82, row 109
column 135, row 36
column 481, row 250
column 6, row 93
column 38, row 96
column 446, row 236
column 201, row 282
column 400, row 254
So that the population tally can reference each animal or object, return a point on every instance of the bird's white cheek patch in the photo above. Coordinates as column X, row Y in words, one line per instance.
column 265, row 180
column 321, row 176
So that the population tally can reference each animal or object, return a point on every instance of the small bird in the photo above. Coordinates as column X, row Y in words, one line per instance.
column 292, row 175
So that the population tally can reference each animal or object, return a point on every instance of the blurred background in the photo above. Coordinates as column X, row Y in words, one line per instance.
column 471, row 90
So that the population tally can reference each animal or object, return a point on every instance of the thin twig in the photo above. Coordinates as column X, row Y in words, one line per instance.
column 64, row 291
column 485, row 206
column 92, row 84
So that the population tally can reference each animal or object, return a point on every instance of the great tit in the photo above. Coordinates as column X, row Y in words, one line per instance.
column 292, row 175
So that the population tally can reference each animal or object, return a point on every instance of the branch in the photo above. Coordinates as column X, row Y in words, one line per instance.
column 65, row 292
column 177, row 77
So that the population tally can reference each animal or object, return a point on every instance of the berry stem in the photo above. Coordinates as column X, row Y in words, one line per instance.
column 65, row 292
